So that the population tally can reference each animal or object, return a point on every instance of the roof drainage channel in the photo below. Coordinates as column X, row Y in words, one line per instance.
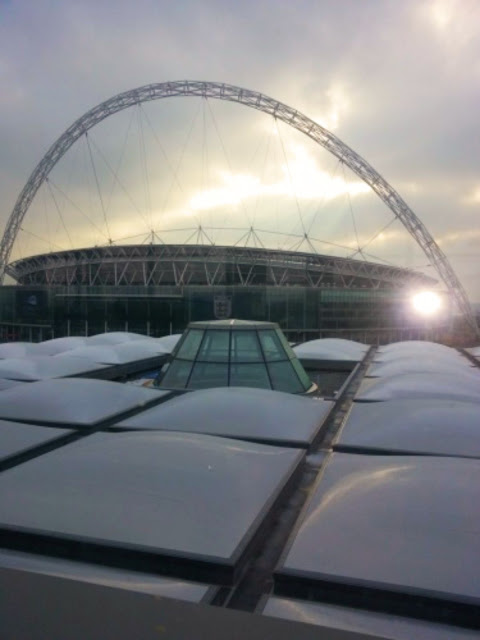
column 258, row 577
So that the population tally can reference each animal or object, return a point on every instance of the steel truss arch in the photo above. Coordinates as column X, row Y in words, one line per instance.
column 270, row 106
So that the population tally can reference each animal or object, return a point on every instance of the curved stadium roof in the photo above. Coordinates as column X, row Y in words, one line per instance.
column 182, row 265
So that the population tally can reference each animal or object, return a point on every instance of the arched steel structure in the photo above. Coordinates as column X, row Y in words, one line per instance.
column 263, row 103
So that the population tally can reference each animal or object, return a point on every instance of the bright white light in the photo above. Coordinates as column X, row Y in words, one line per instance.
column 427, row 303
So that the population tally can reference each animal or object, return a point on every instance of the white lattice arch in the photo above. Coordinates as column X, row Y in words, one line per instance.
column 263, row 103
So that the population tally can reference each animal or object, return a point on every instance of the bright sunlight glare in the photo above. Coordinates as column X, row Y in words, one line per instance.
column 427, row 303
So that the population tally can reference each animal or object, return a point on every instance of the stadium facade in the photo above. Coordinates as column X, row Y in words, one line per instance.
column 158, row 289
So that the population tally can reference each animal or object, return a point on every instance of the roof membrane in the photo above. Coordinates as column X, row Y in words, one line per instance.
column 59, row 345
column 169, row 342
column 18, row 349
column 441, row 386
column 250, row 414
column 72, row 401
column 331, row 349
column 44, row 367
column 16, row 438
column 416, row 346
column 166, row 493
column 118, row 353
column 442, row 427
column 421, row 365
column 395, row 523
column 115, row 337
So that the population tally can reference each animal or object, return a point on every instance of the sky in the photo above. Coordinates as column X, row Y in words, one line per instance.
column 399, row 82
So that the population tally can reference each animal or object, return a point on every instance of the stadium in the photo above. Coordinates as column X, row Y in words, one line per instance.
column 159, row 289
column 156, row 288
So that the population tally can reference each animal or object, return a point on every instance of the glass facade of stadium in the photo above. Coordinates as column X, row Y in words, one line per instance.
column 374, row 316
column 158, row 289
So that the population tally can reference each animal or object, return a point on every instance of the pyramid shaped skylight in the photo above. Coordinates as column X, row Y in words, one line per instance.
column 235, row 353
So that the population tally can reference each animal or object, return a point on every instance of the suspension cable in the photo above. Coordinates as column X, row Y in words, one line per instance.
column 47, row 182
column 121, row 185
column 351, row 209
column 98, row 186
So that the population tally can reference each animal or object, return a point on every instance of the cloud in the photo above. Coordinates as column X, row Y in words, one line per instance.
column 398, row 82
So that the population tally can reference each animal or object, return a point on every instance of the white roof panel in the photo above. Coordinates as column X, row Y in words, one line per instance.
column 118, row 353
column 361, row 621
column 416, row 346
column 442, row 427
column 72, row 401
column 238, row 412
column 169, row 342
column 393, row 523
column 18, row 349
column 451, row 357
column 17, row 437
column 45, row 367
column 107, row 576
column 114, row 337
column 331, row 349
column 59, row 345
column 446, row 386
column 421, row 365
column 8, row 384
column 186, row 494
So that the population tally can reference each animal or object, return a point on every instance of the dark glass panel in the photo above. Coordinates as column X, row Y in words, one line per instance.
column 249, row 375
column 189, row 347
column 245, row 347
column 284, row 377
column 214, row 347
column 272, row 347
column 208, row 374
column 177, row 374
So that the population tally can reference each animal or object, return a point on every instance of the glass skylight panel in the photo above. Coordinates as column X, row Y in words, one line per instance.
column 376, row 623
column 208, row 374
column 235, row 353
column 183, row 495
column 398, row 524
column 284, row 378
column 177, row 374
column 73, row 401
column 214, row 347
column 250, row 374
column 443, row 427
column 16, row 437
column 273, row 348
column 245, row 347
column 446, row 386
column 106, row 576
column 188, row 349
column 235, row 412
